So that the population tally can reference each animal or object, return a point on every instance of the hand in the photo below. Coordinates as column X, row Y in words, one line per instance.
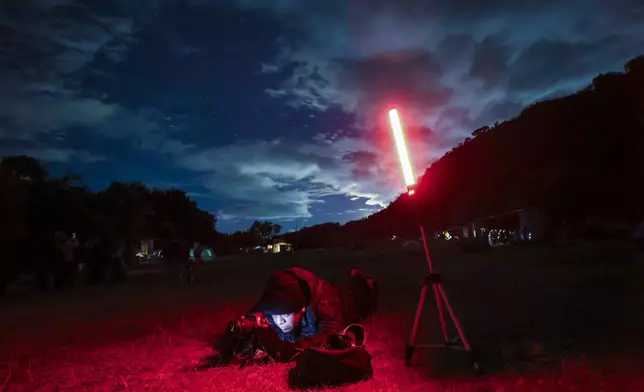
column 243, row 325
column 236, row 341
column 270, row 342
column 260, row 320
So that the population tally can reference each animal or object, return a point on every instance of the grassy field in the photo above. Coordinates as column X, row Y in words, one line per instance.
column 543, row 318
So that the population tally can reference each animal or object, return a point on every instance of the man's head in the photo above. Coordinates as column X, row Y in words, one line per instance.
column 284, row 294
column 287, row 322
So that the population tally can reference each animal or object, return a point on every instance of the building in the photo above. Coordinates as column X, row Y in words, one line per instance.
column 530, row 220
column 279, row 246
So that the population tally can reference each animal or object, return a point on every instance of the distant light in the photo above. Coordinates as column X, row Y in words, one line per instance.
column 403, row 155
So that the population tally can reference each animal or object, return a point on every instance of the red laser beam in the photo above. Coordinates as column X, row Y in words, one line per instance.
column 403, row 154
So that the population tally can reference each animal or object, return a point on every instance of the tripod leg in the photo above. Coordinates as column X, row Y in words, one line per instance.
column 459, row 327
column 441, row 313
column 452, row 315
column 409, row 351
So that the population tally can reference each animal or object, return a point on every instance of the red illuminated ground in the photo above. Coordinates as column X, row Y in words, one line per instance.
column 557, row 319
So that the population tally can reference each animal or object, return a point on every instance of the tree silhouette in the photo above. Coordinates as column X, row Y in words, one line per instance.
column 35, row 205
column 261, row 232
column 25, row 167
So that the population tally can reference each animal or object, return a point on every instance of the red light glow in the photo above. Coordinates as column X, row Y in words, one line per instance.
column 403, row 154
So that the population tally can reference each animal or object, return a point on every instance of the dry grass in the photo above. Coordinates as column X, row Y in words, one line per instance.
column 528, row 319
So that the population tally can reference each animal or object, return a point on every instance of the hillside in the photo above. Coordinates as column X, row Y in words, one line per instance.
column 574, row 157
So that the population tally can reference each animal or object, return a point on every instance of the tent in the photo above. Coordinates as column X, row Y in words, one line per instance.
column 280, row 246
column 412, row 245
column 207, row 255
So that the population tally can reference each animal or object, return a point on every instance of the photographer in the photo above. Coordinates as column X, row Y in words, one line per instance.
column 298, row 310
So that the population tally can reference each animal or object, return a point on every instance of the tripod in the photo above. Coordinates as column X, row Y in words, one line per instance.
column 435, row 280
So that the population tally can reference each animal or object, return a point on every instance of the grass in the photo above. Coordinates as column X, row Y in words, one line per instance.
column 543, row 319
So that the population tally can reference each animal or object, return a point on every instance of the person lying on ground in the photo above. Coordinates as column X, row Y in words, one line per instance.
column 299, row 310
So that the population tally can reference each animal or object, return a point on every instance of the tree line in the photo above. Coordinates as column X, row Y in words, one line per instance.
column 41, row 212
column 44, row 215
column 259, row 233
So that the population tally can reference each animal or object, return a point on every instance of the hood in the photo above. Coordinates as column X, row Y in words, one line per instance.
column 287, row 291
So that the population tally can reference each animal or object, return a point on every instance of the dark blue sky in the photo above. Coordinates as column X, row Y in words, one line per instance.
column 266, row 109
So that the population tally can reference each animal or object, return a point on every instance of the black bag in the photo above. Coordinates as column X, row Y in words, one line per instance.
column 344, row 359
column 365, row 293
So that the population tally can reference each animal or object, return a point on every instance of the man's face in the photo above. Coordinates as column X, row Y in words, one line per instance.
column 286, row 322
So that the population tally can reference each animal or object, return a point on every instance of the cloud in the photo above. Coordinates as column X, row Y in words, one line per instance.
column 63, row 37
column 259, row 172
column 35, row 110
column 273, row 93
column 356, row 213
column 44, row 106
column 502, row 109
column 146, row 128
column 45, row 44
column 490, row 62
column 267, row 211
column 367, row 87
column 49, row 154
column 455, row 50
column 546, row 64
column 434, row 56
column 282, row 180
column 179, row 46
column 269, row 68
column 54, row 154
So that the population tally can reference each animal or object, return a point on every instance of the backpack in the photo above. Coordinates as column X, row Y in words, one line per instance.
column 344, row 359
column 364, row 289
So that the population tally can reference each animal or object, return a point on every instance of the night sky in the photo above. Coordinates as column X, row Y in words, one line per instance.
column 276, row 109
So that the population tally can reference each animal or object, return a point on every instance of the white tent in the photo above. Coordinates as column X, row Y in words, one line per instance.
column 281, row 246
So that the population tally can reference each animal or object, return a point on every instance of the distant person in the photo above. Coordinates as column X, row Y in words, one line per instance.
column 66, row 246
column 86, row 258
column 120, row 267
column 176, row 253
column 192, row 264
column 299, row 310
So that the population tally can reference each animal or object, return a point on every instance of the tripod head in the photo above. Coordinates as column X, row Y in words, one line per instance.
column 411, row 189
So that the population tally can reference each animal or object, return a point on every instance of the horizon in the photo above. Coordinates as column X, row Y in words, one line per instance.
column 277, row 110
